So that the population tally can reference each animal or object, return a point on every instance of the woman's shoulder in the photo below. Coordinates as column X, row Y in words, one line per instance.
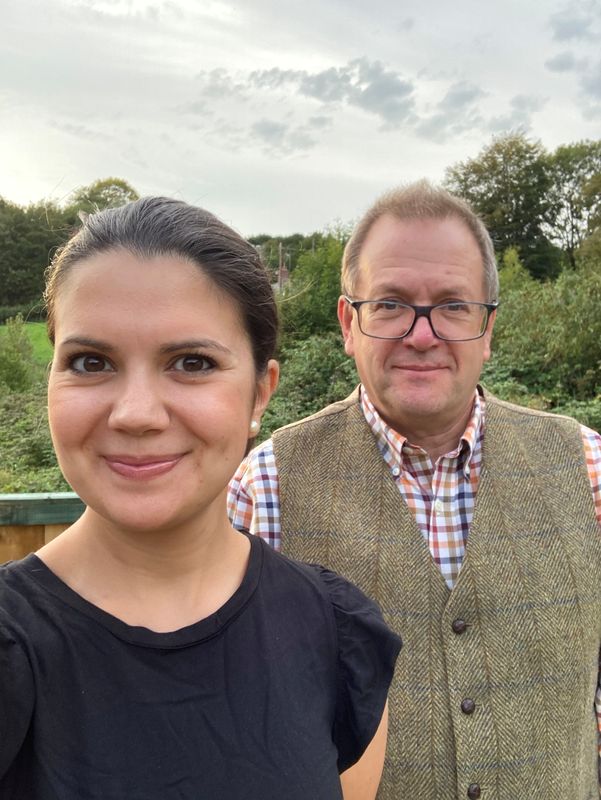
column 348, row 602
column 16, row 585
column 366, row 649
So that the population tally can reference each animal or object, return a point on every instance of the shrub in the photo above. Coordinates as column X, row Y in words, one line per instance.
column 314, row 372
column 18, row 369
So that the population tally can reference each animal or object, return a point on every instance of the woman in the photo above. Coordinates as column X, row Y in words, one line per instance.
column 152, row 651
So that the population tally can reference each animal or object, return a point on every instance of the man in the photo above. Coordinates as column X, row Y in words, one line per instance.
column 474, row 523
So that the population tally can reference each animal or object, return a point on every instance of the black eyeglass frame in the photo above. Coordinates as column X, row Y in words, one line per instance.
column 423, row 311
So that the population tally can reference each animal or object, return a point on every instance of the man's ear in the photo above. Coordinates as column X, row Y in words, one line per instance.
column 345, row 318
column 488, row 335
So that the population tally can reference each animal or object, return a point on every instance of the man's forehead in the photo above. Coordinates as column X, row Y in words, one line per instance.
column 419, row 243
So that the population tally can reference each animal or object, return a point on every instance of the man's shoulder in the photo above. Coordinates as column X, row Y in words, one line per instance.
column 496, row 407
column 317, row 419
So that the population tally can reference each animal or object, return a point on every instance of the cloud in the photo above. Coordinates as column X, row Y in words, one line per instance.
column 381, row 91
column 218, row 84
column 459, row 96
column 330, row 86
column 319, row 122
column 456, row 112
column 571, row 23
column 367, row 85
column 591, row 82
column 406, row 24
column 280, row 138
column 78, row 131
column 520, row 115
column 562, row 62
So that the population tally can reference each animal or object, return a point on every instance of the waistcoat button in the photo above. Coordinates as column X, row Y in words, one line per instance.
column 468, row 706
column 473, row 791
column 459, row 625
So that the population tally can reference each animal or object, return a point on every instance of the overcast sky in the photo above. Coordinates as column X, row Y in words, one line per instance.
column 283, row 116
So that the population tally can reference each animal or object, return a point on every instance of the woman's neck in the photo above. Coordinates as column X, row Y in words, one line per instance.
column 162, row 580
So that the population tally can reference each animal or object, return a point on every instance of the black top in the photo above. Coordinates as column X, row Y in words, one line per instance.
column 268, row 698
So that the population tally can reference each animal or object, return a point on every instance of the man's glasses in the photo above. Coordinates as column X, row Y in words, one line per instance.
column 459, row 321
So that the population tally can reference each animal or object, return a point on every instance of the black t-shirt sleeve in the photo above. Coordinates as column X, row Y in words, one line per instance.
column 16, row 697
column 367, row 652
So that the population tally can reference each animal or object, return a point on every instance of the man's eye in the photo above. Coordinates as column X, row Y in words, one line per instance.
column 90, row 363
column 192, row 363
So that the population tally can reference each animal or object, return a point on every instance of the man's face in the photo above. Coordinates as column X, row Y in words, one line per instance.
column 421, row 385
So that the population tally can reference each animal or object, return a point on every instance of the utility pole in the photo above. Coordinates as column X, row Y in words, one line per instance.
column 280, row 267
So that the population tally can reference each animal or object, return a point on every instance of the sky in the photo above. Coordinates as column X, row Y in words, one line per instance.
column 283, row 117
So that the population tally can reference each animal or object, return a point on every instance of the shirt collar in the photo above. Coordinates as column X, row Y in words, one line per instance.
column 392, row 444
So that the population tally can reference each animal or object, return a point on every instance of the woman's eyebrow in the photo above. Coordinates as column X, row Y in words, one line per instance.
column 195, row 344
column 86, row 341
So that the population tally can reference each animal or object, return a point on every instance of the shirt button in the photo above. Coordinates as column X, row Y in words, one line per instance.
column 468, row 706
column 459, row 625
column 439, row 506
column 474, row 791
column 396, row 471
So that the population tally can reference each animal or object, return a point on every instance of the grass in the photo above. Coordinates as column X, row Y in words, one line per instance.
column 42, row 349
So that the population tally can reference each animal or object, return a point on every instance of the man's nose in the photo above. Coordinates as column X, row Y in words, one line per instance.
column 422, row 335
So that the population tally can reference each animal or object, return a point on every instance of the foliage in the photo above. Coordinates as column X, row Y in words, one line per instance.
column 285, row 250
column 308, row 304
column 29, row 311
column 17, row 365
column 548, row 337
column 28, row 460
column 314, row 372
column 575, row 193
column 508, row 184
column 512, row 273
column 29, row 237
column 105, row 193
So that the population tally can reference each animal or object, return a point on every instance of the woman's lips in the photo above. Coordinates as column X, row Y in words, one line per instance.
column 142, row 468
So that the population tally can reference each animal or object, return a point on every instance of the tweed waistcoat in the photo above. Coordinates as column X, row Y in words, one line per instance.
column 529, row 590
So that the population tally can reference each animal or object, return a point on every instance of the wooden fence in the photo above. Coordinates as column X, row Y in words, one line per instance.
column 28, row 521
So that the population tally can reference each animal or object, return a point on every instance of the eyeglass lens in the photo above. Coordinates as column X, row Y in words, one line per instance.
column 451, row 321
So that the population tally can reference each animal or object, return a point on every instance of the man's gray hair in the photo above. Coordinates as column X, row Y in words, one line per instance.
column 420, row 200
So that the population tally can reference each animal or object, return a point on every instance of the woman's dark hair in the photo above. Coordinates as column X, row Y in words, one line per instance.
column 159, row 226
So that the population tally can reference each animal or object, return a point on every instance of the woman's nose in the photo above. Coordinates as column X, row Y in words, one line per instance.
column 138, row 405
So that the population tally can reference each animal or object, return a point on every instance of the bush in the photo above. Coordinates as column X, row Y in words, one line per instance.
column 18, row 370
column 548, row 336
column 29, row 312
column 28, row 460
column 308, row 304
column 314, row 372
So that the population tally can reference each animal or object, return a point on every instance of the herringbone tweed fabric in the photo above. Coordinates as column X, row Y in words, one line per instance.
column 529, row 589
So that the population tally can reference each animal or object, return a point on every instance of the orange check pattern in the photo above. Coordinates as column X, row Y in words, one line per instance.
column 441, row 496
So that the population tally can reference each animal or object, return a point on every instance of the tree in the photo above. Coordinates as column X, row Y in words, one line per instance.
column 284, row 249
column 575, row 193
column 105, row 193
column 308, row 304
column 508, row 185
column 28, row 237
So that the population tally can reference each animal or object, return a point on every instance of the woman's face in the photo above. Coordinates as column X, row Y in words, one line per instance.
column 152, row 390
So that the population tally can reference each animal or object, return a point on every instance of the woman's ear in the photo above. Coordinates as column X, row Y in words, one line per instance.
column 266, row 386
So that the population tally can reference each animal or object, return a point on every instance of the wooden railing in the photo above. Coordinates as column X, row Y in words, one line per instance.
column 28, row 521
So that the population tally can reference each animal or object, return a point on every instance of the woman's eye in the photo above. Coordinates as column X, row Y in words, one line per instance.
column 192, row 363
column 90, row 363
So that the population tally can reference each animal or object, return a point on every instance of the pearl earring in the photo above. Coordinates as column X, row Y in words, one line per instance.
column 254, row 427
